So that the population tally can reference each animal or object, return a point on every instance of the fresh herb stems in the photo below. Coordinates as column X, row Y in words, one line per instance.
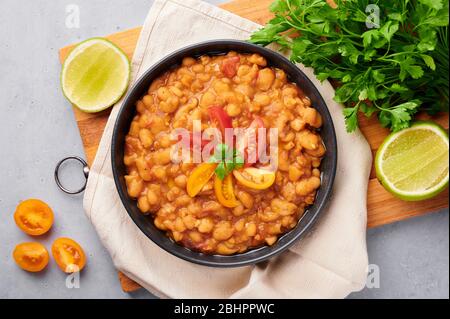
column 393, row 70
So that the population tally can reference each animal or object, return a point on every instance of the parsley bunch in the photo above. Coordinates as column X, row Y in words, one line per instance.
column 393, row 70
column 228, row 159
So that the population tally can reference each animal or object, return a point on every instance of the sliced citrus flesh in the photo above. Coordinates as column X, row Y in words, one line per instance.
column 95, row 75
column 413, row 164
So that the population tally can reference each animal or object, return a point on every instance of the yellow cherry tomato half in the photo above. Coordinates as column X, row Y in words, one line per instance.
column 34, row 217
column 225, row 191
column 31, row 257
column 255, row 178
column 68, row 255
column 199, row 177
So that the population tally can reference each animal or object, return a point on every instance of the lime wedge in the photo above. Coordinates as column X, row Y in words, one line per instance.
column 95, row 75
column 413, row 164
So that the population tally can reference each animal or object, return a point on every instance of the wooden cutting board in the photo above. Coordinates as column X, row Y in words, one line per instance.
column 382, row 207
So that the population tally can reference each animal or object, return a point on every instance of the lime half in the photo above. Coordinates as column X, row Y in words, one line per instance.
column 413, row 164
column 95, row 75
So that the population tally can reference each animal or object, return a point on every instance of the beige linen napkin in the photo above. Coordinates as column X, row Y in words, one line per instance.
column 330, row 262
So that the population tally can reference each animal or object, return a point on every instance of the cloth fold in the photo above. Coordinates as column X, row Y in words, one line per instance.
column 330, row 262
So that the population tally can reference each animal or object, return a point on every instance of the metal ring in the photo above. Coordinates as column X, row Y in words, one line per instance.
column 85, row 172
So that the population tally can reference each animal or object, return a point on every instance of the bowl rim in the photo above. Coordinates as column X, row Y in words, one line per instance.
column 198, row 257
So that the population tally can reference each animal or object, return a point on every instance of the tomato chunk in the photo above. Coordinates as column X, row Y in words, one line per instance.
column 220, row 117
column 229, row 66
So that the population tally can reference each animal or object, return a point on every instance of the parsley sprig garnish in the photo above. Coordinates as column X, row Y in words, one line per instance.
column 393, row 70
column 228, row 159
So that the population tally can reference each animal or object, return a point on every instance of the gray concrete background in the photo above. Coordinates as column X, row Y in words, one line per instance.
column 37, row 128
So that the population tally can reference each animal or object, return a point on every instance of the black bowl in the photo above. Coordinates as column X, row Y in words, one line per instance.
column 145, row 223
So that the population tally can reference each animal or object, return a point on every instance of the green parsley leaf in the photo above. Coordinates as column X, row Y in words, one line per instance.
column 378, row 76
column 435, row 4
column 221, row 170
column 351, row 118
column 278, row 6
column 368, row 36
column 368, row 110
column 300, row 46
column 267, row 34
column 396, row 16
column 429, row 61
column 398, row 88
column 408, row 66
column 388, row 30
column 363, row 95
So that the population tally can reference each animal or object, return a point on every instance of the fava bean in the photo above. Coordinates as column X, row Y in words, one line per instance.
column 222, row 231
column 265, row 79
